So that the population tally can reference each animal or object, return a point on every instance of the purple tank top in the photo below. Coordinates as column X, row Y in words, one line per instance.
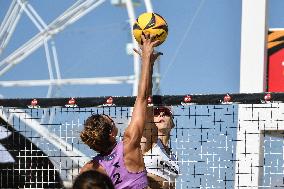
column 116, row 170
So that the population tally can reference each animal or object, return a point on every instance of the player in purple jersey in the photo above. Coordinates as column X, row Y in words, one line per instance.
column 123, row 161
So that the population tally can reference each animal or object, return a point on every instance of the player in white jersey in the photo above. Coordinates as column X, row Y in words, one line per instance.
column 160, row 162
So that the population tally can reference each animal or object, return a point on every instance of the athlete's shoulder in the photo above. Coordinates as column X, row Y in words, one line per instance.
column 91, row 165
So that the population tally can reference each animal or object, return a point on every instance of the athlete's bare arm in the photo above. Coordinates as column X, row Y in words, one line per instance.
column 150, row 132
column 133, row 157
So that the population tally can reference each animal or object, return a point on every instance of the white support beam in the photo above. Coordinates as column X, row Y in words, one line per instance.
column 68, row 17
column 252, row 80
column 41, row 25
column 255, row 120
column 136, row 58
column 32, row 15
column 73, row 81
column 9, row 23
column 253, row 46
column 156, row 72
column 148, row 5
column 129, row 4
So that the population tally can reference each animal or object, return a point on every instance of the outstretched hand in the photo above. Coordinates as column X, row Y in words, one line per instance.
column 147, row 48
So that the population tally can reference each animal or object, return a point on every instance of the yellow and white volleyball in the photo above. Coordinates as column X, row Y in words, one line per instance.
column 153, row 24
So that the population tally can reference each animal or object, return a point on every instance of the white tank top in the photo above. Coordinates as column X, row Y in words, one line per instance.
column 159, row 163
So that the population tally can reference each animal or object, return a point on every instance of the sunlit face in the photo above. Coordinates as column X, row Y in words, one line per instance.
column 163, row 119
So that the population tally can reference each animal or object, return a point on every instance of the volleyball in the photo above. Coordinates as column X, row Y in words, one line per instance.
column 153, row 24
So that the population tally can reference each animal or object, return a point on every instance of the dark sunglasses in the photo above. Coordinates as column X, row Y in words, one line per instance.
column 158, row 110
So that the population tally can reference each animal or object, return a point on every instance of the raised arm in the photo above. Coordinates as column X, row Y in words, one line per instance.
column 134, row 131
column 150, row 132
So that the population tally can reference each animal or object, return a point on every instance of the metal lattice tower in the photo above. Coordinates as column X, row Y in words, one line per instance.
column 45, row 38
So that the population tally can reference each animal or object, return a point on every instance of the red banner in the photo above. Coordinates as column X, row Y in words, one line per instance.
column 275, row 74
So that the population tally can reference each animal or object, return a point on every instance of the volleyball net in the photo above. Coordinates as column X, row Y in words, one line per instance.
column 221, row 141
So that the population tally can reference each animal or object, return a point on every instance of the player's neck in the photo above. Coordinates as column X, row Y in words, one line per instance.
column 165, row 143
column 109, row 150
column 164, row 138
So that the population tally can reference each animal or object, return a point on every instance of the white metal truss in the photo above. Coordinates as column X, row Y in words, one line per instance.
column 9, row 23
column 73, row 81
column 74, row 13
column 41, row 25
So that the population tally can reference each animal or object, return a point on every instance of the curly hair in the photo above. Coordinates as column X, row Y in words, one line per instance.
column 96, row 133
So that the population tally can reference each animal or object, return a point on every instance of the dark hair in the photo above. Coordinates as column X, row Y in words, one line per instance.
column 96, row 133
column 92, row 180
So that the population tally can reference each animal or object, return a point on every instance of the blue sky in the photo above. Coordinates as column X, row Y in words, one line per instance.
column 201, row 53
